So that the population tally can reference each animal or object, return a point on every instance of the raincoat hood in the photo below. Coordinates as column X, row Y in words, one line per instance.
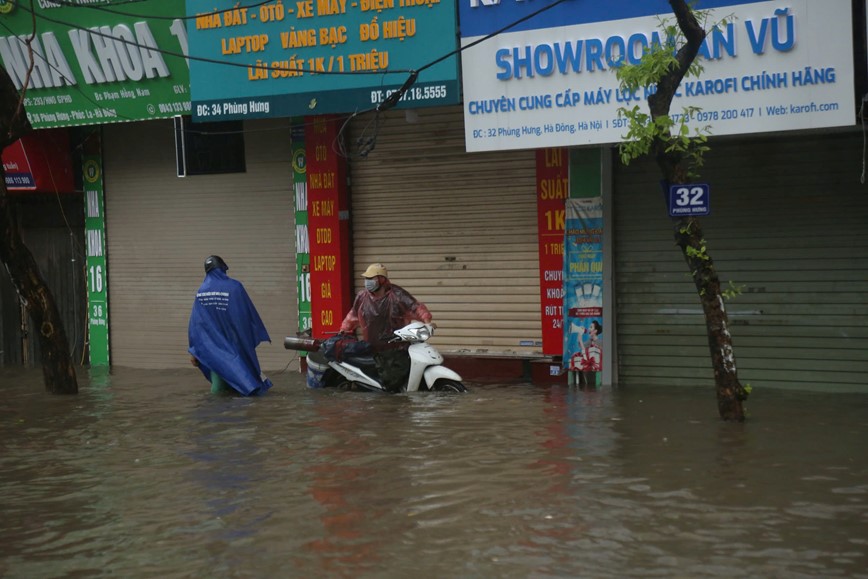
column 224, row 330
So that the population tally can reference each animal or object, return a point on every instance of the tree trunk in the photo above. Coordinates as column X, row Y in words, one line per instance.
column 730, row 393
column 57, row 368
column 688, row 231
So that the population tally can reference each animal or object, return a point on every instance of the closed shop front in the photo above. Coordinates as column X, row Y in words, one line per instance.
column 788, row 227
column 160, row 228
column 51, row 227
column 457, row 230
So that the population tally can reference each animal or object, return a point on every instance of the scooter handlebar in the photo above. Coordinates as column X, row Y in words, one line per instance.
column 301, row 344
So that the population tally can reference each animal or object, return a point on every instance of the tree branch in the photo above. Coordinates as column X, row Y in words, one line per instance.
column 694, row 34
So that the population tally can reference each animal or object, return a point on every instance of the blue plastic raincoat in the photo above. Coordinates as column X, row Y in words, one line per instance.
column 224, row 330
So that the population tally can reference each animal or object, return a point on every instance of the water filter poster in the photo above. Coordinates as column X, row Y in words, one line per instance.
column 583, row 285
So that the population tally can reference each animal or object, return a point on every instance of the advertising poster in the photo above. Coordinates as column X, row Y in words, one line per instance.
column 552, row 188
column 549, row 80
column 583, row 285
column 287, row 59
column 94, row 65
column 328, row 228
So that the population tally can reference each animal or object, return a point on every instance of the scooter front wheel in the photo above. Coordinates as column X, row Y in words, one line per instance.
column 446, row 385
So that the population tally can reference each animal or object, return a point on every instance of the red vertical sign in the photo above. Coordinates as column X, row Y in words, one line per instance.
column 328, row 227
column 552, row 189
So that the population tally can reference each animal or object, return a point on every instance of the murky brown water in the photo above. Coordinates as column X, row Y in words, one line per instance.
column 146, row 474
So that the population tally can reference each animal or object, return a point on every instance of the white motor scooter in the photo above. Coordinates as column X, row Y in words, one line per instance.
column 427, row 372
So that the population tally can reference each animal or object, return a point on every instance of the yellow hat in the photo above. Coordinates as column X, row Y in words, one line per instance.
column 376, row 269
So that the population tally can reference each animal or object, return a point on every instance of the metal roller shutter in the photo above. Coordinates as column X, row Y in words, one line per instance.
column 160, row 228
column 457, row 230
column 788, row 221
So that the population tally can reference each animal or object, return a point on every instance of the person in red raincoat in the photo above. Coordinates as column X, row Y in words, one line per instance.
column 381, row 308
column 378, row 310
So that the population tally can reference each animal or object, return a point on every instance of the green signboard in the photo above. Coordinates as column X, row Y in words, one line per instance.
column 93, row 64
column 302, row 243
column 97, row 286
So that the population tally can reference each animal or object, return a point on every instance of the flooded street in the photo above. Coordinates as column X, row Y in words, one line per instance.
column 147, row 474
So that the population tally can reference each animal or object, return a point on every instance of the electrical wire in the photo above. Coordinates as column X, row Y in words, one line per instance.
column 266, row 67
column 70, row 4
column 297, row 358
column 412, row 72
column 71, row 82
column 78, row 251
column 864, row 140
column 122, row 118
column 497, row 32
column 365, row 144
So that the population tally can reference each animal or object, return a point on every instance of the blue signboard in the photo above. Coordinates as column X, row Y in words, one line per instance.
column 547, row 79
column 689, row 200
column 316, row 57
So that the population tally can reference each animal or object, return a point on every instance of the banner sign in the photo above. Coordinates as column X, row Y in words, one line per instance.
column 328, row 227
column 550, row 82
column 94, row 65
column 583, row 285
column 16, row 168
column 40, row 161
column 552, row 189
column 316, row 57
column 302, row 239
column 94, row 231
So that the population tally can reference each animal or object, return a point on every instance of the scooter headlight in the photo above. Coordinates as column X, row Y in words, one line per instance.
column 423, row 334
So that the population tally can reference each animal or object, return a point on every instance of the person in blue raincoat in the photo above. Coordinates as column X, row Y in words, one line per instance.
column 224, row 330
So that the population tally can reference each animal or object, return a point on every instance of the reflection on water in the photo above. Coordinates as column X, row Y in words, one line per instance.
column 148, row 474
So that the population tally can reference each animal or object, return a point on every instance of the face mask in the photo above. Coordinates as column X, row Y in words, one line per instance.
column 371, row 284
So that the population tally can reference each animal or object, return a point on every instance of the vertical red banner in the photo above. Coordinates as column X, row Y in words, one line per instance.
column 552, row 190
column 328, row 227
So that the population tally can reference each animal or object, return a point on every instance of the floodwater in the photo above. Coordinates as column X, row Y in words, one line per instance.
column 146, row 474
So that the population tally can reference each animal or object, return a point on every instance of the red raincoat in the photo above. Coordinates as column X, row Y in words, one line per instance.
column 379, row 316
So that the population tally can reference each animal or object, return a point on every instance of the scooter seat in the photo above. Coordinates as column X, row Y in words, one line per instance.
column 366, row 361
column 360, row 361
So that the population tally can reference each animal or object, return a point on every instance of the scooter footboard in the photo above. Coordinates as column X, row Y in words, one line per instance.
column 434, row 373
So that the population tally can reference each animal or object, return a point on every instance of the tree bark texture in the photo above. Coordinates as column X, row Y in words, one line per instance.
column 57, row 367
column 730, row 393
column 688, row 231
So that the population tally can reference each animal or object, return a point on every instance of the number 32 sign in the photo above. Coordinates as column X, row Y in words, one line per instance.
column 689, row 200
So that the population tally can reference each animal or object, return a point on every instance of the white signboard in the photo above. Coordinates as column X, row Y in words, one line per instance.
column 550, row 82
